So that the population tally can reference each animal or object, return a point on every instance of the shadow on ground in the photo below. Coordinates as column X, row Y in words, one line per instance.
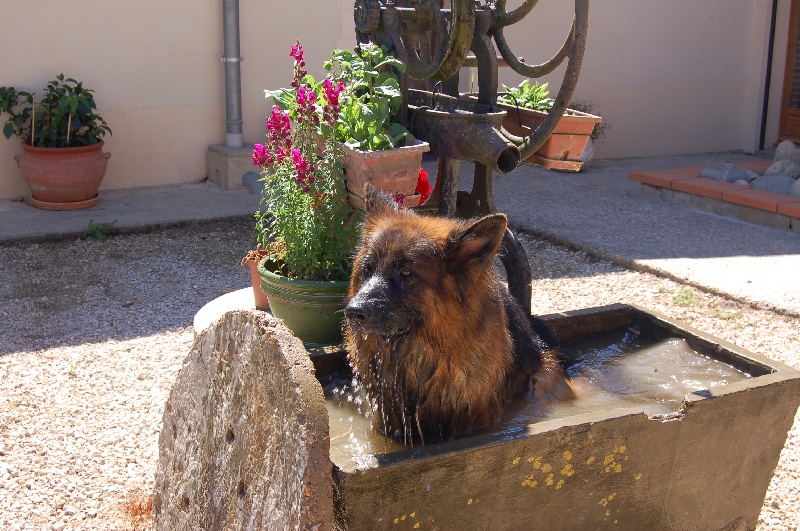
column 82, row 291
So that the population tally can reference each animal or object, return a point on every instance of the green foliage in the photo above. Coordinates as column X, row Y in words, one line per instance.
column 99, row 231
column 309, row 231
column 65, row 117
column 306, row 222
column 527, row 96
column 536, row 97
column 685, row 297
column 727, row 316
column 370, row 103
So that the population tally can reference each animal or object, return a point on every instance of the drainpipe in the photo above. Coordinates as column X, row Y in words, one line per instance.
column 768, row 81
column 233, row 76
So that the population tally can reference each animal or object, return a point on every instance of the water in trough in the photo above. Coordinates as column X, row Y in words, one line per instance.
column 618, row 369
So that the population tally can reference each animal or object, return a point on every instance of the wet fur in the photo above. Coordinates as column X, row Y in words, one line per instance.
column 431, row 332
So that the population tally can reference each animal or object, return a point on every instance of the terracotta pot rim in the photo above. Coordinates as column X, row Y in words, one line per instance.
column 414, row 146
column 76, row 149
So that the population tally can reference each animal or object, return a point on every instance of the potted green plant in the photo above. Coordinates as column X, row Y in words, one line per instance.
column 377, row 148
column 306, row 223
column 570, row 145
column 63, row 161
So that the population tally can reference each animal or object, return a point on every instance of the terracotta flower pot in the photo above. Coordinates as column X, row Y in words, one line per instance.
column 252, row 259
column 63, row 178
column 392, row 170
column 568, row 148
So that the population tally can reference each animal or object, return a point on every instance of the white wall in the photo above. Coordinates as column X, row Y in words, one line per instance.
column 675, row 76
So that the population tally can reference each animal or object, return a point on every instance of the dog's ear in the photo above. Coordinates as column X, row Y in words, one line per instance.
column 478, row 240
column 378, row 201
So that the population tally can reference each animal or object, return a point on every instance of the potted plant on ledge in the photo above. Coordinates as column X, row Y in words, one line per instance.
column 63, row 161
column 570, row 145
column 377, row 148
column 306, row 224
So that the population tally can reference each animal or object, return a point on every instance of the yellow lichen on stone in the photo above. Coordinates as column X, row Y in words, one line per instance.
column 416, row 526
column 469, row 501
column 560, row 483
column 546, row 468
column 637, row 477
column 605, row 501
column 515, row 461
column 618, row 468
column 622, row 449
column 549, row 480
column 590, row 460
column 537, row 462
column 567, row 455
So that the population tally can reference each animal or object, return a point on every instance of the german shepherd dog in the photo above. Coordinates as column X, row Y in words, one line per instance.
column 435, row 338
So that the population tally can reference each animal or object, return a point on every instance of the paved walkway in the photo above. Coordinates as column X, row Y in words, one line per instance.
column 599, row 210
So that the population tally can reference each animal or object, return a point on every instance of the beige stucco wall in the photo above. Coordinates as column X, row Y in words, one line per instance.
column 156, row 70
column 671, row 77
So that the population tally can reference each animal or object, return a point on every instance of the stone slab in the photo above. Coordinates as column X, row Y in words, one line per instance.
column 705, row 187
column 245, row 436
column 226, row 166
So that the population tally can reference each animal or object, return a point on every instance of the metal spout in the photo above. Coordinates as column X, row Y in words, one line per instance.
column 482, row 142
column 462, row 130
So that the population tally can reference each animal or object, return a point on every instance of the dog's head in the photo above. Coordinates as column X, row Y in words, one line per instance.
column 408, row 266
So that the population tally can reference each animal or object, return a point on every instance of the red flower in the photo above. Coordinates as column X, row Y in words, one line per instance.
column 423, row 186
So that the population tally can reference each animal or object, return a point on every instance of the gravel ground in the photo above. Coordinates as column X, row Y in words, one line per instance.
column 93, row 333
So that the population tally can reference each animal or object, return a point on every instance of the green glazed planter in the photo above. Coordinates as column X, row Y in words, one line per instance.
column 313, row 310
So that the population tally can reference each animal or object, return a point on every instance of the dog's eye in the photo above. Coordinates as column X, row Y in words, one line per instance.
column 405, row 273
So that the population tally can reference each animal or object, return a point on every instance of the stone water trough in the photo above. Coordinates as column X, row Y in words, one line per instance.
column 245, row 445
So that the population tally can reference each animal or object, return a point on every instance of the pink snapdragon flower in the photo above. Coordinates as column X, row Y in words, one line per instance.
column 279, row 129
column 299, row 63
column 304, row 169
column 331, row 92
column 261, row 156
column 297, row 53
column 306, row 105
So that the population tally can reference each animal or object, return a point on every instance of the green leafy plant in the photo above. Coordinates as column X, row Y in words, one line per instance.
column 371, row 101
column 685, row 297
column 99, row 231
column 727, row 316
column 306, row 222
column 527, row 95
column 64, row 117
column 537, row 97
